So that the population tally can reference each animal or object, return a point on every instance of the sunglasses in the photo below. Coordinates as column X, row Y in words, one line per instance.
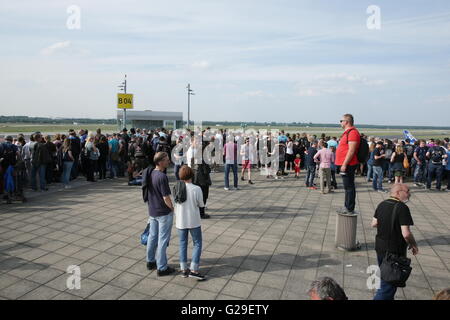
column 342, row 121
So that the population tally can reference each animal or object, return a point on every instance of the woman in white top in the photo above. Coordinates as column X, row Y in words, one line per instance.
column 289, row 155
column 187, row 217
column 246, row 163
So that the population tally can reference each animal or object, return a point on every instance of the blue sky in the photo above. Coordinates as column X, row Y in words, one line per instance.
column 304, row 61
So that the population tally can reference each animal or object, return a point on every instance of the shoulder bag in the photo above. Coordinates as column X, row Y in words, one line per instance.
column 395, row 269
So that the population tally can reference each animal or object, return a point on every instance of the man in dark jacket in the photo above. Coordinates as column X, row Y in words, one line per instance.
column 75, row 147
column 41, row 158
column 202, row 179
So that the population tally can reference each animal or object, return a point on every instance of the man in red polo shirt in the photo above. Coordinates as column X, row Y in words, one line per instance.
column 346, row 159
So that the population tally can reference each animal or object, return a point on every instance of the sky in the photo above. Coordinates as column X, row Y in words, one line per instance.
column 246, row 60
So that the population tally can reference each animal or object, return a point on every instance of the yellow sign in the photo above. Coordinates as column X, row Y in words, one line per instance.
column 125, row 101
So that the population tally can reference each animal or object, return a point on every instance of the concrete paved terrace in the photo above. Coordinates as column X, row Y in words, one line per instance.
column 266, row 241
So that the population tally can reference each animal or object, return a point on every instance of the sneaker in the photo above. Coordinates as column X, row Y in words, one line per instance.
column 168, row 271
column 418, row 185
column 312, row 188
column 151, row 265
column 242, row 178
column 344, row 211
column 226, row 189
column 205, row 216
column 197, row 275
column 237, row 188
column 185, row 273
column 447, row 190
column 67, row 187
column 382, row 191
column 250, row 182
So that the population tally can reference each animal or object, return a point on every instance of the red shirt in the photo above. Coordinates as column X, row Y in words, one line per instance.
column 342, row 148
column 297, row 164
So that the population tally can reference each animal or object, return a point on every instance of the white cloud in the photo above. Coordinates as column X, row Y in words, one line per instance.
column 258, row 93
column 55, row 47
column 443, row 99
column 354, row 78
column 201, row 64
column 321, row 91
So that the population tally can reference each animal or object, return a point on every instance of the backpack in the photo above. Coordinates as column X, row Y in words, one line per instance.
column 363, row 151
column 163, row 147
column 146, row 182
column 388, row 153
column 9, row 156
column 437, row 155
column 409, row 150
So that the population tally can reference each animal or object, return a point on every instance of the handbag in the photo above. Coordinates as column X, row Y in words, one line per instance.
column 144, row 235
column 405, row 163
column 395, row 269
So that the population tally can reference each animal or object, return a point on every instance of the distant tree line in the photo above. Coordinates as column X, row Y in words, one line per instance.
column 43, row 120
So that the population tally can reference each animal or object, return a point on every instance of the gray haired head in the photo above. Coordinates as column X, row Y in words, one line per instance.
column 327, row 289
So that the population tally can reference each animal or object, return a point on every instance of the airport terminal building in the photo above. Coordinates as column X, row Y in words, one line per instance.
column 148, row 119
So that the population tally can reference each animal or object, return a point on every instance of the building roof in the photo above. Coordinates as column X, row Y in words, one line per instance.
column 151, row 115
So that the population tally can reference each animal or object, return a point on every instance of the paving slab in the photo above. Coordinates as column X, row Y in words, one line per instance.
column 266, row 241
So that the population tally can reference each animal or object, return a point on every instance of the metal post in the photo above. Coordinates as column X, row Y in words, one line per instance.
column 125, row 110
column 189, row 103
column 189, row 92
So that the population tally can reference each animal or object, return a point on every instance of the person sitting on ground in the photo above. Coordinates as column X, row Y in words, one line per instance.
column 136, row 175
column 326, row 289
column 188, row 203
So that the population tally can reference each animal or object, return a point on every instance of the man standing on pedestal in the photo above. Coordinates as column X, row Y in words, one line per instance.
column 347, row 161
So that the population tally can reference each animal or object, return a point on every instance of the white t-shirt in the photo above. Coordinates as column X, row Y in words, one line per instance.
column 245, row 152
column 187, row 214
column 290, row 148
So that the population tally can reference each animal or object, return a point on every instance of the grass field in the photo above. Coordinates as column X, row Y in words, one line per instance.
column 9, row 128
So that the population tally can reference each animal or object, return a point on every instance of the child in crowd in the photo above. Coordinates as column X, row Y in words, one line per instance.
column 297, row 163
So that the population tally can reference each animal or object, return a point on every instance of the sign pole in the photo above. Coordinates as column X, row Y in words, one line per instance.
column 125, row 110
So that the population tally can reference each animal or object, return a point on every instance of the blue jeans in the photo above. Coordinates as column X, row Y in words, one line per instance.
column 419, row 173
column 350, row 189
column 196, row 235
column 177, row 171
column 67, row 169
column 74, row 171
column 227, row 173
column 369, row 172
column 42, row 169
column 434, row 170
column 158, row 240
column 113, row 168
column 386, row 291
column 377, row 182
column 310, row 175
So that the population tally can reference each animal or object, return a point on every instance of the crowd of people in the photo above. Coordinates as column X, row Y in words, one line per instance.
column 144, row 156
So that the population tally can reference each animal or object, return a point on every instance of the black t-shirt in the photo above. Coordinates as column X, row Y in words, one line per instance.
column 387, row 240
column 159, row 189
column 399, row 157
column 377, row 162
